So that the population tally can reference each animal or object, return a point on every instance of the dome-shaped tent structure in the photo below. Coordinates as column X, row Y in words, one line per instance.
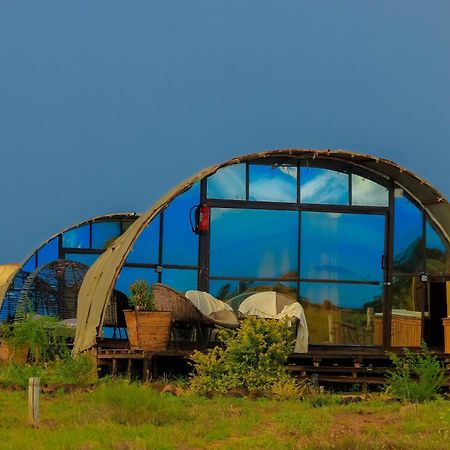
column 82, row 243
column 349, row 235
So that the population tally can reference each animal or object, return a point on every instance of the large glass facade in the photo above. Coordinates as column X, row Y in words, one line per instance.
column 341, row 313
column 228, row 183
column 253, row 243
column 275, row 183
column 366, row 192
column 180, row 243
column 408, row 236
column 324, row 186
column 437, row 251
column 166, row 251
column 342, row 246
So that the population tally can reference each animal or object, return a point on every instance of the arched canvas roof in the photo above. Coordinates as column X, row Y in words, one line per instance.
column 7, row 276
column 99, row 281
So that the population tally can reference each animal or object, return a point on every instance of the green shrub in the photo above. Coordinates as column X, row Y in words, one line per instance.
column 141, row 296
column 253, row 358
column 45, row 336
column 417, row 376
column 289, row 388
column 75, row 369
column 12, row 374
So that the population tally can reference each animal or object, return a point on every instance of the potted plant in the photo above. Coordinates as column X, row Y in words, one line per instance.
column 148, row 329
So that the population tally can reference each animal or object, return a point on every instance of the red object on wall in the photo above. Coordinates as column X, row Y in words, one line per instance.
column 204, row 213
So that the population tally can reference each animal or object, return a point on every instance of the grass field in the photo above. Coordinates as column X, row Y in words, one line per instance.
column 121, row 416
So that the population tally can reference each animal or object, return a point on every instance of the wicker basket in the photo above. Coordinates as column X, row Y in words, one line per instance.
column 148, row 330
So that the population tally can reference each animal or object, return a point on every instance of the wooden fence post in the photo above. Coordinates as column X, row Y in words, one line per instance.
column 34, row 385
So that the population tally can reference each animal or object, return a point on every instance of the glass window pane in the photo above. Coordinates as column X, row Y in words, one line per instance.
column 437, row 252
column 343, row 313
column 368, row 193
column 180, row 243
column 49, row 252
column 228, row 183
column 235, row 292
column 181, row 280
column 408, row 238
column 406, row 325
column 323, row 186
column 84, row 258
column 273, row 183
column 104, row 234
column 77, row 237
column 146, row 247
column 30, row 265
column 253, row 243
column 129, row 275
column 342, row 246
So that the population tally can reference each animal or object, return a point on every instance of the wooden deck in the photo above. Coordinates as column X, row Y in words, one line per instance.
column 325, row 367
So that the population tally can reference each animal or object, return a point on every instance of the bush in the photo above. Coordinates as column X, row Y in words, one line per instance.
column 253, row 358
column 45, row 336
column 12, row 374
column 77, row 369
column 417, row 376
column 141, row 296
column 289, row 388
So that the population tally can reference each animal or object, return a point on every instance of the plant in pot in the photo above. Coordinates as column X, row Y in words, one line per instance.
column 148, row 329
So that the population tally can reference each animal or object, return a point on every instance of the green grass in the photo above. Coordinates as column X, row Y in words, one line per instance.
column 120, row 416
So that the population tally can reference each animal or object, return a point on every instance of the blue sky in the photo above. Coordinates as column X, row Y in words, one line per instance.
column 105, row 105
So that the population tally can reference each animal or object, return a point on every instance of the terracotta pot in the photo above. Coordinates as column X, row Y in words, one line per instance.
column 148, row 330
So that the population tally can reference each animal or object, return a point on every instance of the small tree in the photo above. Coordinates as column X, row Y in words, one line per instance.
column 253, row 357
column 141, row 297
column 417, row 376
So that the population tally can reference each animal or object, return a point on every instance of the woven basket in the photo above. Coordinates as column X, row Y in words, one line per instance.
column 148, row 330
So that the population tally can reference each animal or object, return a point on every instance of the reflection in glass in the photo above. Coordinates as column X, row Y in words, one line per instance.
column 406, row 325
column 342, row 313
column 146, row 247
column 84, row 258
column 129, row 275
column 228, row 183
column 368, row 193
column 342, row 246
column 408, row 238
column 49, row 252
column 323, row 186
column 77, row 237
column 253, row 243
column 273, row 183
column 181, row 280
column 235, row 292
column 180, row 243
column 104, row 234
column 437, row 251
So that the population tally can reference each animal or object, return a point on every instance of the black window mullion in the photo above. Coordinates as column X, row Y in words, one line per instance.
column 247, row 181
column 160, row 249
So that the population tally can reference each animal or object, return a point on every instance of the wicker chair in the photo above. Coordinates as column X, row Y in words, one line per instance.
column 187, row 321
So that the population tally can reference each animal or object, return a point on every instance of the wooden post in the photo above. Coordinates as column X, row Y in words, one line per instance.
column 33, row 401
column 114, row 367
column 331, row 329
column 146, row 363
column 130, row 370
